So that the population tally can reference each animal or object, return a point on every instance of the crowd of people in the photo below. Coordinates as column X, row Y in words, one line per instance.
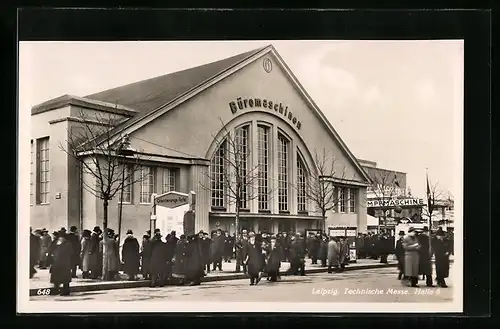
column 187, row 259
column 414, row 252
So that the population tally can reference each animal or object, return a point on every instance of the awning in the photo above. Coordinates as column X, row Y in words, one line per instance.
column 372, row 221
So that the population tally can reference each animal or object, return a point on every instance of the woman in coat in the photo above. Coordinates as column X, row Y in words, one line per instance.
column 62, row 261
column 411, row 248
column 343, row 253
column 333, row 255
column 85, row 253
column 274, row 256
column 254, row 260
column 130, row 256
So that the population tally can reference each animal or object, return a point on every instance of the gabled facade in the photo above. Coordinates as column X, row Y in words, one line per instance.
column 178, row 122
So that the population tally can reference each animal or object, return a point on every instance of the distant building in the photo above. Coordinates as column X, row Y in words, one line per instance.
column 389, row 194
column 443, row 214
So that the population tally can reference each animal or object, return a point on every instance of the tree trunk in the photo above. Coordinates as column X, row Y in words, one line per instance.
column 105, row 240
column 322, row 225
column 237, row 218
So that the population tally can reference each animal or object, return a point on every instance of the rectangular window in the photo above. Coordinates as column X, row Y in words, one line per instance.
column 282, row 173
column 241, row 160
column 301, row 186
column 352, row 200
column 147, row 183
column 43, row 166
column 217, row 168
column 343, row 199
column 127, row 184
column 168, row 180
column 31, row 172
column 263, row 169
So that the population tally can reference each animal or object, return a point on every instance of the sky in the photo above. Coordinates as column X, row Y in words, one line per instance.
column 398, row 103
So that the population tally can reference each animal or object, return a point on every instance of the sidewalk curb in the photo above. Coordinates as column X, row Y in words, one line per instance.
column 235, row 276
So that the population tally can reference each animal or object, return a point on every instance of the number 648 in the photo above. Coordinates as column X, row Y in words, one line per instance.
column 43, row 292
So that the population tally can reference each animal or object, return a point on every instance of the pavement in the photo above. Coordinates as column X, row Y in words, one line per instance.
column 375, row 285
column 40, row 283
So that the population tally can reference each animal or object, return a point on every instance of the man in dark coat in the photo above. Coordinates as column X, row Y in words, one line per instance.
column 45, row 241
column 400, row 255
column 241, row 248
column 34, row 252
column 74, row 239
column 158, row 260
column 424, row 265
column 297, row 255
column 179, row 260
column 323, row 251
column 217, row 250
column 285, row 245
column 130, row 256
column 442, row 250
column 171, row 245
column 60, row 271
column 228, row 247
column 195, row 268
column 95, row 259
column 382, row 247
column 254, row 260
column 274, row 256
column 204, row 243
column 146, row 256
column 314, row 248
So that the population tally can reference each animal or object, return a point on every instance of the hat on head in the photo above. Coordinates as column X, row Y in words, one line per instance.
column 130, row 232
column 273, row 237
column 401, row 232
column 145, row 236
column 62, row 229
column 97, row 229
column 55, row 233
column 426, row 229
column 411, row 229
column 201, row 232
column 44, row 230
column 182, row 236
column 440, row 233
column 73, row 229
column 157, row 230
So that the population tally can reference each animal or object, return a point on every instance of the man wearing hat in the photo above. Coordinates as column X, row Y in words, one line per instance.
column 411, row 247
column 425, row 266
column 400, row 255
column 74, row 239
column 130, row 256
column 442, row 250
column 95, row 256
column 146, row 256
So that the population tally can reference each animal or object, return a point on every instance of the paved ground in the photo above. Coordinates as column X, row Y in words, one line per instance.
column 367, row 286
column 42, row 277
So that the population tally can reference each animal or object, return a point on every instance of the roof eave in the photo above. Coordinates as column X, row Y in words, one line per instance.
column 67, row 100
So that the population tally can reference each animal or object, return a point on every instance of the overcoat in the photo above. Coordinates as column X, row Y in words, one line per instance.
column 254, row 263
column 95, row 255
column 34, row 249
column 195, row 266
column 85, row 254
column 130, row 255
column 411, row 247
column 424, row 264
column 112, row 260
column 400, row 254
column 179, row 267
column 274, row 256
column 146, row 257
column 158, row 257
column 76, row 245
column 60, row 271
column 323, row 250
column 217, row 248
column 343, row 253
column 45, row 241
column 440, row 249
column 333, row 254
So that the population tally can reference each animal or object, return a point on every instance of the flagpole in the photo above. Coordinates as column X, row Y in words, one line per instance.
column 429, row 205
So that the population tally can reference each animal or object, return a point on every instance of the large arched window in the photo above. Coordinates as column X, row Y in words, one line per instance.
column 217, row 168
column 283, row 151
column 241, row 155
column 301, row 185
column 263, row 166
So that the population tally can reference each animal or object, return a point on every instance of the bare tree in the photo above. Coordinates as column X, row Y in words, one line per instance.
column 321, row 187
column 231, row 178
column 384, row 189
column 90, row 146
column 436, row 199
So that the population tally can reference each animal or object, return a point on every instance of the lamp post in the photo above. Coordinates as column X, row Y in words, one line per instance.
column 124, row 150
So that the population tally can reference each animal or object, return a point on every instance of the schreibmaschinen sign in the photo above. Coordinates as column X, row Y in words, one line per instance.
column 395, row 202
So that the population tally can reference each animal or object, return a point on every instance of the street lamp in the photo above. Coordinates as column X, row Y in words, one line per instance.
column 124, row 149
